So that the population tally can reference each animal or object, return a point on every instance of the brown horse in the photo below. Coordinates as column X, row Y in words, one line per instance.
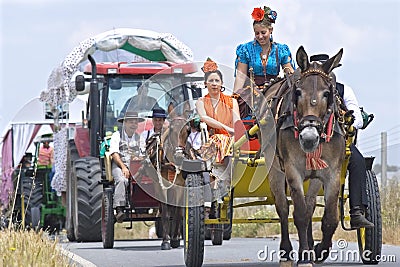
column 168, row 182
column 309, row 145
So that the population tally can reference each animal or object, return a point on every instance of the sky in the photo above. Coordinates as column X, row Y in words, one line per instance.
column 36, row 35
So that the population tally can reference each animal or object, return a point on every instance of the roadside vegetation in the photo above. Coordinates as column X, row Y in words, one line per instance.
column 28, row 248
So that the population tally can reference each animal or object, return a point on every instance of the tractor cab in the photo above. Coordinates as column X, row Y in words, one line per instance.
column 138, row 86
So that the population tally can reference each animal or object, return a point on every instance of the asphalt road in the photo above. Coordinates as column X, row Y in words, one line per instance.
column 244, row 252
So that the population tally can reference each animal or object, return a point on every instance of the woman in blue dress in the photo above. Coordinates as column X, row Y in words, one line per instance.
column 262, row 54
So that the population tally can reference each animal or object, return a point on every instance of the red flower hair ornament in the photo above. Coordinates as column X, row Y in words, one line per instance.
column 209, row 66
column 258, row 14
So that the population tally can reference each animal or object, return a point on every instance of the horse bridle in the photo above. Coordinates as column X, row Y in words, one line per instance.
column 323, row 125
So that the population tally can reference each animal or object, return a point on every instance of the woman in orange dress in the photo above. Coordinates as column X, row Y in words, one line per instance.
column 217, row 110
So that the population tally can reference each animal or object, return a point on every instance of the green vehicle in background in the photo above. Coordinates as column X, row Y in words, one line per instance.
column 37, row 206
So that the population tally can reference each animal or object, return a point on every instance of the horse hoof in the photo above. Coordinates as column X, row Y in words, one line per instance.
column 175, row 243
column 286, row 263
column 165, row 245
column 321, row 254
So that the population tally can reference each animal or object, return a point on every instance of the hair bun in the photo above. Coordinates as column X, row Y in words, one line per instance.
column 209, row 66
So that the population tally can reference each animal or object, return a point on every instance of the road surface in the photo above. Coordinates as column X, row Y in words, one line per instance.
column 246, row 252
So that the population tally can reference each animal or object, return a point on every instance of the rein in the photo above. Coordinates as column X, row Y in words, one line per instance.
column 169, row 144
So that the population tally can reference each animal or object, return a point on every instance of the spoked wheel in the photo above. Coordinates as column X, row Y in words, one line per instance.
column 107, row 219
column 370, row 239
column 193, row 221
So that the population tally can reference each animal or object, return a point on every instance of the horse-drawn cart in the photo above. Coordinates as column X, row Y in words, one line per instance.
column 251, row 181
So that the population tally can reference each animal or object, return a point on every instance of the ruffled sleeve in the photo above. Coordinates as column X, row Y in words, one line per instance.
column 242, row 55
column 285, row 56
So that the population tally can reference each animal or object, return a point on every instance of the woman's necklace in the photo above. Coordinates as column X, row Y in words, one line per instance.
column 264, row 60
column 214, row 103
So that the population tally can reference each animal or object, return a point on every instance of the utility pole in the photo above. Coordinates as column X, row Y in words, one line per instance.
column 384, row 158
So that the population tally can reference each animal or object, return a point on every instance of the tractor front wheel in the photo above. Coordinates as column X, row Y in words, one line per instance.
column 87, row 201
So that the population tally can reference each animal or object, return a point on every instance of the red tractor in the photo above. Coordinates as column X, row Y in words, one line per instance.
column 89, row 185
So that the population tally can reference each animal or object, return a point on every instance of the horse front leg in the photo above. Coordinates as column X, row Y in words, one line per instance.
column 311, row 199
column 165, row 221
column 277, row 185
column 176, row 226
column 176, row 194
column 330, row 219
column 301, row 216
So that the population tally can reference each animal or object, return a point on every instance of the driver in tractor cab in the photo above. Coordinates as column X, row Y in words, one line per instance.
column 142, row 101
column 124, row 146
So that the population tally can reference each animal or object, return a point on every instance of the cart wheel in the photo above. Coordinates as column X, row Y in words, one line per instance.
column 217, row 230
column 193, row 221
column 207, row 234
column 370, row 239
column 227, row 231
column 228, row 227
column 107, row 219
column 217, row 234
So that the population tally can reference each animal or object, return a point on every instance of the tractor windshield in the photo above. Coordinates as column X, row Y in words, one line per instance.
column 141, row 95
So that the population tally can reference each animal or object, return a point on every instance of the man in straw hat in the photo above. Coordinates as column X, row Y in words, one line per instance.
column 123, row 146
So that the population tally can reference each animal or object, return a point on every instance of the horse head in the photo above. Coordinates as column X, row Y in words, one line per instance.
column 178, row 130
column 313, row 98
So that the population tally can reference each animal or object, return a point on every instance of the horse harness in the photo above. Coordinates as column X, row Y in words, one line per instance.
column 289, row 117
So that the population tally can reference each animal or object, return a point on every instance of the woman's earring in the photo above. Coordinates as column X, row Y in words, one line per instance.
column 271, row 39
column 222, row 88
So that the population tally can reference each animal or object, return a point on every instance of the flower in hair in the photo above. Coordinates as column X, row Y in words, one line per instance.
column 272, row 16
column 209, row 66
column 258, row 14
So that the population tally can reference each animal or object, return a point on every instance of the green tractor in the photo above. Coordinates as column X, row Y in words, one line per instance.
column 37, row 205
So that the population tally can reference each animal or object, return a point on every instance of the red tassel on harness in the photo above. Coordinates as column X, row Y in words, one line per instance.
column 329, row 128
column 314, row 161
column 295, row 122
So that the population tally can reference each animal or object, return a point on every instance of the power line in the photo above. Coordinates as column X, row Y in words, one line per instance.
column 379, row 149
column 393, row 128
column 377, row 135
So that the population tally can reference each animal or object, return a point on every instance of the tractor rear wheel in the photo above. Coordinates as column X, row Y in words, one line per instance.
column 370, row 239
column 33, row 198
column 87, row 201
column 107, row 219
column 193, row 222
